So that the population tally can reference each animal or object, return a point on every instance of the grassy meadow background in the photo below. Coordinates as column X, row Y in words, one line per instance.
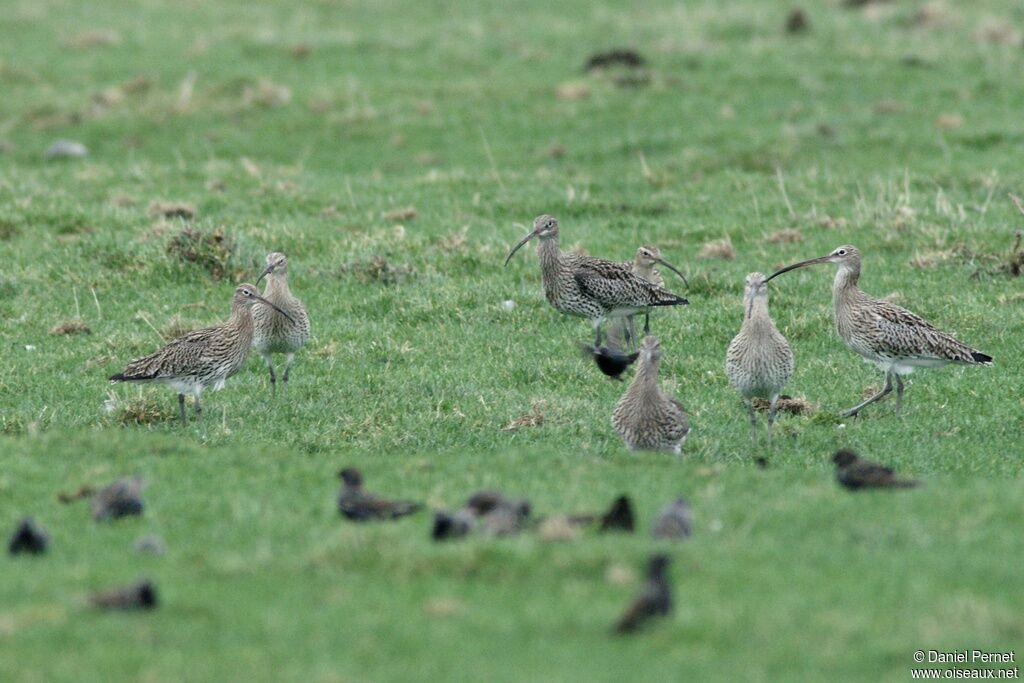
column 396, row 151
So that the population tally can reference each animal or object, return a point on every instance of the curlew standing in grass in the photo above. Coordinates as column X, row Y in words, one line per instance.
column 646, row 417
column 203, row 358
column 274, row 332
column 759, row 361
column 890, row 336
column 591, row 287
column 644, row 264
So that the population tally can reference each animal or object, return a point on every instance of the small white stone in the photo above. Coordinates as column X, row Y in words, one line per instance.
column 508, row 304
column 842, row 425
column 30, row 347
column 66, row 149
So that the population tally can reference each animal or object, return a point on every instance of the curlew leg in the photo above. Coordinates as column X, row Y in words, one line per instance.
column 647, row 323
column 631, row 332
column 181, row 408
column 772, row 411
column 273, row 378
column 899, row 394
column 753, row 419
column 287, row 368
column 597, row 332
column 199, row 408
column 852, row 412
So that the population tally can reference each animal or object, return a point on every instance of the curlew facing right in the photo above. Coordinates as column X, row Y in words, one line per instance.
column 890, row 336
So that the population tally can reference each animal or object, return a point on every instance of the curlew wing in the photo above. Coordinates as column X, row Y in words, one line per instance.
column 614, row 285
column 177, row 358
column 904, row 334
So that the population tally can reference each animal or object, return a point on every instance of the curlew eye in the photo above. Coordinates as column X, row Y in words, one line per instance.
column 841, row 252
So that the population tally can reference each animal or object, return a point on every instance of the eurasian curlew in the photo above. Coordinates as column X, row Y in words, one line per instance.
column 589, row 287
column 623, row 331
column 759, row 361
column 203, row 358
column 646, row 417
column 890, row 336
column 274, row 332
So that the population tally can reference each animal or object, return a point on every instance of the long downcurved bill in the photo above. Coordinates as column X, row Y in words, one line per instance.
column 266, row 271
column 675, row 270
column 801, row 264
column 260, row 298
column 519, row 246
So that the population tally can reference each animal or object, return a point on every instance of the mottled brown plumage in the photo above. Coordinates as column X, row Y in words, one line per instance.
column 655, row 600
column 622, row 331
column 759, row 360
column 646, row 417
column 355, row 503
column 590, row 287
column 890, row 336
column 854, row 472
column 272, row 331
column 203, row 358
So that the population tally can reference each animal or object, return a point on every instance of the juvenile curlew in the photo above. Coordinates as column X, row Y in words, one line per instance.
column 759, row 361
column 203, row 358
column 855, row 473
column 655, row 600
column 645, row 417
column 890, row 336
column 591, row 287
column 644, row 264
column 273, row 332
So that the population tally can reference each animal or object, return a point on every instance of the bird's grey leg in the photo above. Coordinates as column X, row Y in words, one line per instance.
column 753, row 419
column 899, row 394
column 647, row 323
column 287, row 367
column 631, row 332
column 199, row 407
column 181, row 408
column 852, row 412
column 772, row 411
column 273, row 378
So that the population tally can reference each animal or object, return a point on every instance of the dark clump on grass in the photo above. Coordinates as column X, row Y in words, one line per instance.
column 797, row 21
column 8, row 229
column 617, row 57
column 143, row 410
column 141, row 595
column 71, row 327
column 377, row 269
column 788, row 404
column 213, row 251
column 28, row 537
column 123, row 498
column 172, row 210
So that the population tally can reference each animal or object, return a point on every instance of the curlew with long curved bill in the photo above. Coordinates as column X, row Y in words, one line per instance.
column 589, row 287
column 203, row 358
column 887, row 335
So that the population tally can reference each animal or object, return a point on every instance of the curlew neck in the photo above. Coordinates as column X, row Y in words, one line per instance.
column 844, row 287
column 550, row 259
column 757, row 313
column 646, row 380
column 277, row 286
column 241, row 319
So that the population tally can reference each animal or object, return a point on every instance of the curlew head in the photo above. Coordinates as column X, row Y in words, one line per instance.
column 846, row 256
column 544, row 226
column 650, row 350
column 351, row 476
column 754, row 288
column 247, row 295
column 277, row 264
column 845, row 457
column 648, row 255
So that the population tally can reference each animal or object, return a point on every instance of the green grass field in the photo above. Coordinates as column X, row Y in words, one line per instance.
column 314, row 129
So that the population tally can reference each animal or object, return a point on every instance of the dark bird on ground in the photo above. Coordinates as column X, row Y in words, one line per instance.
column 360, row 506
column 854, row 472
column 675, row 521
column 610, row 359
column 451, row 525
column 620, row 56
column 141, row 595
column 28, row 537
column 619, row 516
column 655, row 600
column 483, row 501
column 120, row 499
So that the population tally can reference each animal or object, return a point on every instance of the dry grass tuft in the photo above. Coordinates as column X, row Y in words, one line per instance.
column 164, row 209
column 443, row 607
column 788, row 404
column 534, row 418
column 142, row 409
column 407, row 213
column 786, row 236
column 998, row 32
column 212, row 251
column 266, row 93
column 8, row 229
column 949, row 121
column 797, row 21
column 572, row 90
column 71, row 327
column 378, row 269
column 889, row 107
column 558, row 528
column 91, row 38
column 719, row 249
